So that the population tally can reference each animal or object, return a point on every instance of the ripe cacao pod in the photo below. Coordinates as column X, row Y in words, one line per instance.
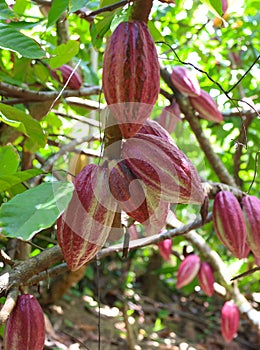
column 230, row 318
column 25, row 328
column 65, row 70
column 185, row 81
column 206, row 107
column 131, row 75
column 251, row 210
column 158, row 212
column 84, row 227
column 165, row 248
column 224, row 6
column 229, row 223
column 169, row 117
column 164, row 168
column 151, row 127
column 188, row 270
column 206, row 278
column 127, row 190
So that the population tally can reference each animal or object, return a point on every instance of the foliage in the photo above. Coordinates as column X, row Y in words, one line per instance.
column 48, row 134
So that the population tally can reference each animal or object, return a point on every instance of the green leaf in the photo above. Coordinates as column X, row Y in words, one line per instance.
column 9, row 160
column 57, row 8
column 12, row 123
column 5, row 12
column 8, row 181
column 35, row 209
column 99, row 29
column 215, row 6
column 156, row 34
column 76, row 5
column 64, row 53
column 29, row 126
column 11, row 39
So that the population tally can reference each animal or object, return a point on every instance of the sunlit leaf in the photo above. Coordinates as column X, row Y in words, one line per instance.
column 35, row 209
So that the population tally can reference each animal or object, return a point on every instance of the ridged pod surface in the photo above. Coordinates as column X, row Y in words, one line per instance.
column 127, row 190
column 206, row 278
column 84, row 227
column 188, row 270
column 251, row 210
column 229, row 223
column 158, row 212
column 131, row 75
column 163, row 168
column 230, row 318
column 152, row 127
column 75, row 81
column 206, row 107
column 25, row 328
column 185, row 81
column 169, row 117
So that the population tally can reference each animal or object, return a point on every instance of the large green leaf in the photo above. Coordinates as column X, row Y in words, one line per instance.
column 29, row 126
column 57, row 8
column 64, row 53
column 34, row 210
column 215, row 6
column 9, row 160
column 8, row 181
column 11, row 39
column 5, row 12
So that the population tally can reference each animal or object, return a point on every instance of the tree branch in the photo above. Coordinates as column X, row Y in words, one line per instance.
column 31, row 95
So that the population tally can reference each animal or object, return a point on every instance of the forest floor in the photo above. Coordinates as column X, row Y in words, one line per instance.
column 76, row 322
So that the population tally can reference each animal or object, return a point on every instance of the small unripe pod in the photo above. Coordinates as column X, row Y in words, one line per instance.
column 230, row 318
column 188, row 270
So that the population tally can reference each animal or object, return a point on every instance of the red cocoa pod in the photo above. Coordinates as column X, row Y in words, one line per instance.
column 206, row 278
column 188, row 270
column 206, row 107
column 131, row 75
column 158, row 212
column 169, row 117
column 224, row 6
column 25, row 328
column 185, row 81
column 163, row 168
column 151, row 127
column 127, row 190
column 74, row 82
column 165, row 248
column 251, row 210
column 84, row 227
column 229, row 223
column 230, row 318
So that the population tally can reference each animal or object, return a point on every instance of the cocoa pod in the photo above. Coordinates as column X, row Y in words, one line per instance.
column 206, row 107
column 224, row 6
column 229, row 223
column 206, row 278
column 165, row 248
column 25, row 328
column 131, row 75
column 127, row 190
column 151, row 127
column 158, row 212
column 65, row 70
column 188, row 270
column 169, row 117
column 185, row 81
column 84, row 227
column 230, row 318
column 163, row 168
column 251, row 210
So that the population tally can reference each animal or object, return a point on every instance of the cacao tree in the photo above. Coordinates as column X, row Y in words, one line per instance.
column 128, row 127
